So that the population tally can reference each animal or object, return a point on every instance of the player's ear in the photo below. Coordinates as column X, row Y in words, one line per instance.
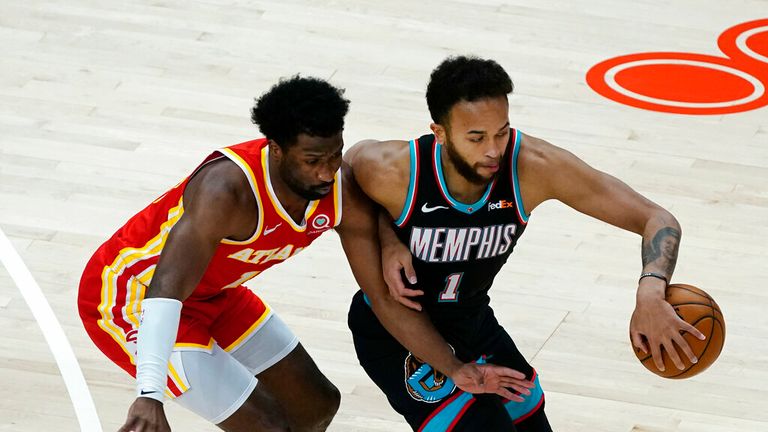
column 275, row 149
column 439, row 132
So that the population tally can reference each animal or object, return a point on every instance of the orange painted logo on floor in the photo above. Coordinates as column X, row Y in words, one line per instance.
column 690, row 83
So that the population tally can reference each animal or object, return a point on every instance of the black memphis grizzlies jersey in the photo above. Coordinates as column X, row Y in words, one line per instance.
column 459, row 248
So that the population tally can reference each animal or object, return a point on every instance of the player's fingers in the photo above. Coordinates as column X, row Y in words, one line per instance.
column 669, row 347
column 683, row 344
column 638, row 342
column 506, row 394
column 692, row 330
column 393, row 279
column 407, row 292
column 657, row 358
column 514, row 385
column 502, row 371
column 410, row 273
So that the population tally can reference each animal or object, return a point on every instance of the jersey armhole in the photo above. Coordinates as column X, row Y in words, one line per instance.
column 410, row 199
column 521, row 214
column 337, row 199
column 252, row 181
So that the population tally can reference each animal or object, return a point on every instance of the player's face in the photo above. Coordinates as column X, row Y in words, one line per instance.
column 308, row 167
column 476, row 137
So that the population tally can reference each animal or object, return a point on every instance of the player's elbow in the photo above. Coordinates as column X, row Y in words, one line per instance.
column 662, row 217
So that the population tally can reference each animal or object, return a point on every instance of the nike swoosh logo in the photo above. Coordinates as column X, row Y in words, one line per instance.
column 427, row 209
column 148, row 392
column 269, row 230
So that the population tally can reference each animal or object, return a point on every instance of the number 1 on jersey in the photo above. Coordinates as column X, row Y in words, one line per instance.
column 451, row 291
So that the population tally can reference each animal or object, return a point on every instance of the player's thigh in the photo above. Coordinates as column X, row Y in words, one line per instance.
column 221, row 389
column 288, row 373
column 484, row 413
column 260, row 412
column 412, row 388
column 490, row 413
column 501, row 349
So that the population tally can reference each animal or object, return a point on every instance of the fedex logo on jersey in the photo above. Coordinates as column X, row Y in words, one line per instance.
column 461, row 244
column 503, row 204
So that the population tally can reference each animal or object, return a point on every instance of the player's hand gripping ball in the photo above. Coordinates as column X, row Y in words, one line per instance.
column 700, row 310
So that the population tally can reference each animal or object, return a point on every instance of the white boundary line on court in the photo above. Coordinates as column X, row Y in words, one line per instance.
column 54, row 335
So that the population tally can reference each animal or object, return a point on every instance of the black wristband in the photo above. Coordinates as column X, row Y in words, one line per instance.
column 655, row 275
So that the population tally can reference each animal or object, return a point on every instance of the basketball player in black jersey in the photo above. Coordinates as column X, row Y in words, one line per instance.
column 460, row 198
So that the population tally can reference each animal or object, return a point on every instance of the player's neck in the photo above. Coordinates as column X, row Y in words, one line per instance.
column 293, row 203
column 459, row 187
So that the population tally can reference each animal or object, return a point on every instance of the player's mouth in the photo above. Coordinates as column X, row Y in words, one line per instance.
column 490, row 167
column 324, row 189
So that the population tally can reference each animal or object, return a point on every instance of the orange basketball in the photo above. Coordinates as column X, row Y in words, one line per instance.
column 699, row 309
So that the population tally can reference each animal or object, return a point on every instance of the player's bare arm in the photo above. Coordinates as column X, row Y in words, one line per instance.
column 571, row 181
column 381, row 171
column 393, row 258
column 218, row 204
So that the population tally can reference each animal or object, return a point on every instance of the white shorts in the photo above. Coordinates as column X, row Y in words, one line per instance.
column 220, row 382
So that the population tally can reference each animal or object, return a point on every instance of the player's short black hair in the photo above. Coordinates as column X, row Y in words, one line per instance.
column 464, row 78
column 298, row 105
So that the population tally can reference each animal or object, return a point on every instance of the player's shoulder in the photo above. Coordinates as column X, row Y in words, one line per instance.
column 379, row 161
column 221, row 181
column 537, row 154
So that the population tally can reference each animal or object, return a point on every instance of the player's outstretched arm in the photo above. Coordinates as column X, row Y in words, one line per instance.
column 218, row 203
column 654, row 323
column 414, row 330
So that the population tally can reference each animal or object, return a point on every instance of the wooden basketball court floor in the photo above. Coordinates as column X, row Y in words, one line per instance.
column 106, row 104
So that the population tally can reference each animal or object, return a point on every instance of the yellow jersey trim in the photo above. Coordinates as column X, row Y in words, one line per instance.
column 234, row 157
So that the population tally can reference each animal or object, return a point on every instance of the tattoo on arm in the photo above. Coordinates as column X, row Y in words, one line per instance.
column 662, row 250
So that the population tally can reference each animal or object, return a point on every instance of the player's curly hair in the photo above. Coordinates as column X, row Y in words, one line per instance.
column 464, row 78
column 298, row 105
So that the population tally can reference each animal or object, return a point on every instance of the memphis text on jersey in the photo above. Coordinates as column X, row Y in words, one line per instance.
column 461, row 244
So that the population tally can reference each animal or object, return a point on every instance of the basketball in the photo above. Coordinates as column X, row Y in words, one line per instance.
column 700, row 310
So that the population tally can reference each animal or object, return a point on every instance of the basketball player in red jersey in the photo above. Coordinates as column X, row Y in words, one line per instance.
column 460, row 198
column 164, row 297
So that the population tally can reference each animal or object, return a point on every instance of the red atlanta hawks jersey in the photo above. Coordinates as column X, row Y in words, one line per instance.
column 132, row 253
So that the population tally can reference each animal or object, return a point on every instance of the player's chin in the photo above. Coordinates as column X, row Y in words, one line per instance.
column 487, row 174
column 318, row 192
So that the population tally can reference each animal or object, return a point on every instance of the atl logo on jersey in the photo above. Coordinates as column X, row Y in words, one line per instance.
column 503, row 204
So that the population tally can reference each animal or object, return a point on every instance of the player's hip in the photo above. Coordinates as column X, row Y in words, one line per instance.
column 471, row 333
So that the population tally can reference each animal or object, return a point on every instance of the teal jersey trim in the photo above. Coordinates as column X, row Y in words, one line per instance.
column 515, row 180
column 464, row 208
column 408, row 207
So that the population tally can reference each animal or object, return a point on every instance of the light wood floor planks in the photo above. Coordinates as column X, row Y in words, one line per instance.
column 106, row 104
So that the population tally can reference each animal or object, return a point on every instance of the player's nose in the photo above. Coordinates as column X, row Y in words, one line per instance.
column 326, row 173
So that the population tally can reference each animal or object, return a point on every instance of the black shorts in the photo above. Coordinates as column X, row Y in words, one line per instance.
column 429, row 400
